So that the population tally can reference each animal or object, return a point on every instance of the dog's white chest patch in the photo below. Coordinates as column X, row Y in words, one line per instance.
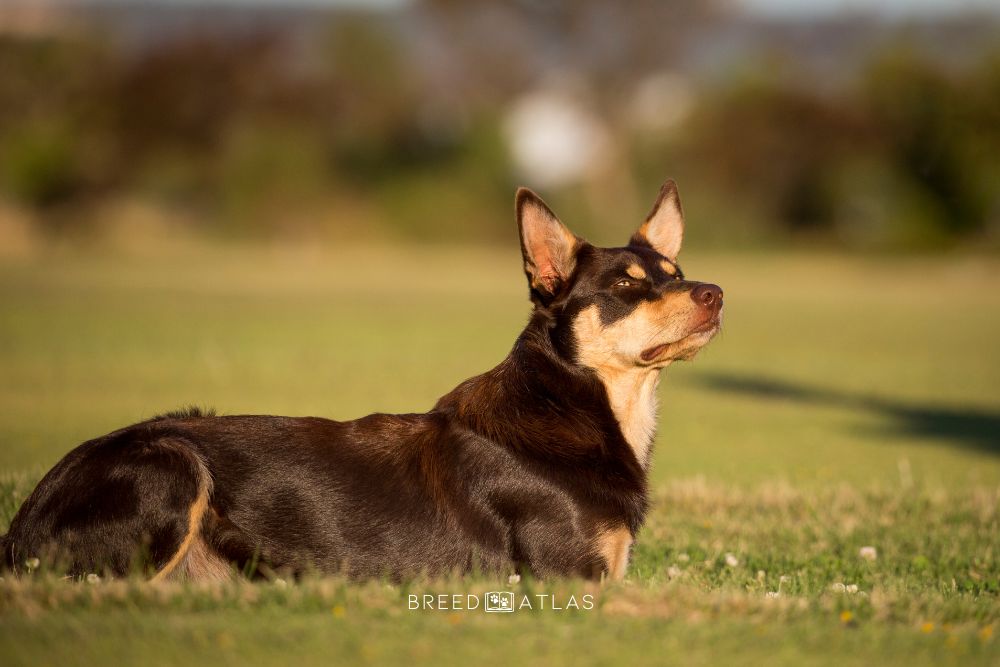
column 633, row 400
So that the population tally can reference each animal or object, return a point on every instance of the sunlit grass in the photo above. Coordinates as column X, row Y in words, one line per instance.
column 850, row 404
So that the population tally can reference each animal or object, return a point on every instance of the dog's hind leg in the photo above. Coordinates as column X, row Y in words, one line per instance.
column 191, row 551
column 133, row 501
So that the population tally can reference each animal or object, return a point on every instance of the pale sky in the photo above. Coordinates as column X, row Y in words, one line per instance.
column 775, row 8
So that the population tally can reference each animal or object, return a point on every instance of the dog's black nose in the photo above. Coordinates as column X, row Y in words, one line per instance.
column 707, row 295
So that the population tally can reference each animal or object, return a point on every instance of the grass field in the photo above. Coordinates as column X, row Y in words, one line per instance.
column 849, row 403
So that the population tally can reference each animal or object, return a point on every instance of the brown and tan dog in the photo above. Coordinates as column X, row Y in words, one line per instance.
column 538, row 465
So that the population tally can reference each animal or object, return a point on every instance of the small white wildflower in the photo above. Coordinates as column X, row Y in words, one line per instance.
column 731, row 560
column 868, row 553
column 784, row 579
column 280, row 583
column 93, row 578
column 683, row 558
column 772, row 594
column 838, row 587
column 514, row 579
column 673, row 572
column 852, row 588
column 32, row 564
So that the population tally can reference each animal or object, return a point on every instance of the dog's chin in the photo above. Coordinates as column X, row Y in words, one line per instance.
column 683, row 349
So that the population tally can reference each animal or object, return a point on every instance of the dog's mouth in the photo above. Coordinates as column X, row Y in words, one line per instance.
column 686, row 347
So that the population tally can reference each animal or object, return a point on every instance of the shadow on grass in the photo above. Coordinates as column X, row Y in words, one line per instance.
column 975, row 428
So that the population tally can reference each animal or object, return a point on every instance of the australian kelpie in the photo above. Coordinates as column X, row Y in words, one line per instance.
column 537, row 466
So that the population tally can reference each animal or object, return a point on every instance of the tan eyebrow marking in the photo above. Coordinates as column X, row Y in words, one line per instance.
column 636, row 271
column 669, row 268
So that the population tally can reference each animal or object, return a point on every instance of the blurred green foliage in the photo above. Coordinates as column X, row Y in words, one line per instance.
column 229, row 131
column 247, row 140
column 907, row 154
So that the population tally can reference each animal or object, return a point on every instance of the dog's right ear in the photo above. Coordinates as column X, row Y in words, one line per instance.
column 663, row 230
column 548, row 247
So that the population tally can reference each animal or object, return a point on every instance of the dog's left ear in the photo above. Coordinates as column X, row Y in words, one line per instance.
column 548, row 247
column 663, row 230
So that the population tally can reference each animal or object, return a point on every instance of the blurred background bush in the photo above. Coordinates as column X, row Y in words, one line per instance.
column 415, row 120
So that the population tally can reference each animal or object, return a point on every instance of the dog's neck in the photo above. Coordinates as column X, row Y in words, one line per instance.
column 632, row 396
column 630, row 388
column 535, row 399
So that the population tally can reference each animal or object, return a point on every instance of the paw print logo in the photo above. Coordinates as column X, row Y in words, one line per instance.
column 499, row 601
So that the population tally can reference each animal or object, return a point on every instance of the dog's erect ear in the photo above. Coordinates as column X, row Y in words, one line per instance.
column 549, row 248
column 664, row 227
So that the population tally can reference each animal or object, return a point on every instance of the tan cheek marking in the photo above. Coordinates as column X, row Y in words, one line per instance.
column 593, row 345
column 636, row 272
column 613, row 544
column 602, row 347
column 669, row 268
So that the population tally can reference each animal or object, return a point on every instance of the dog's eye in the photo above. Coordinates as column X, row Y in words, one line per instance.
column 624, row 283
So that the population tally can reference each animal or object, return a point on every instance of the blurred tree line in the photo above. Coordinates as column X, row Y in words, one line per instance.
column 905, row 155
column 344, row 134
